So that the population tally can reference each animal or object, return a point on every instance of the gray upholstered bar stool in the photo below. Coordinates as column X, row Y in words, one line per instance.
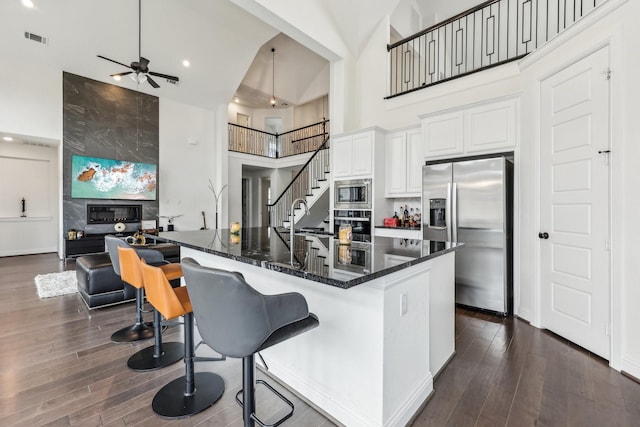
column 236, row 320
column 140, row 330
column 195, row 391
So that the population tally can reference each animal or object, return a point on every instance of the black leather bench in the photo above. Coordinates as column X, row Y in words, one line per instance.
column 99, row 285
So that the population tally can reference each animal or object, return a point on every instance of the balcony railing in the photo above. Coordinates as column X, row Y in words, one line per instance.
column 490, row 34
column 298, row 141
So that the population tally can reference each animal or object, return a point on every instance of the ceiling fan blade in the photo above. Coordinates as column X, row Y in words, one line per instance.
column 165, row 76
column 119, row 63
column 121, row 74
column 152, row 82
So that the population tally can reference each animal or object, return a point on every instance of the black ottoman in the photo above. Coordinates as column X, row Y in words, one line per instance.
column 98, row 284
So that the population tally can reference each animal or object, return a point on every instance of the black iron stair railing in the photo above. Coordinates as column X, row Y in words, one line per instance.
column 493, row 33
column 301, row 186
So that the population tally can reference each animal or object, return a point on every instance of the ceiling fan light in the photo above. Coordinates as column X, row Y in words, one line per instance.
column 138, row 77
column 28, row 3
column 117, row 78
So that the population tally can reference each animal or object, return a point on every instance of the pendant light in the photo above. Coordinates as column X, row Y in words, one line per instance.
column 273, row 77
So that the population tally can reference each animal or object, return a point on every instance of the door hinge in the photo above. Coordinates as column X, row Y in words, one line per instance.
column 607, row 74
column 606, row 245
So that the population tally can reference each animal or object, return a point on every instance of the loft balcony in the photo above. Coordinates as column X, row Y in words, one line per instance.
column 493, row 33
column 306, row 139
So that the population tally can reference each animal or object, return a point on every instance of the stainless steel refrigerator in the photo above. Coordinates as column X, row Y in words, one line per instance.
column 471, row 201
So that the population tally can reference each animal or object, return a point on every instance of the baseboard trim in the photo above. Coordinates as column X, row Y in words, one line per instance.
column 631, row 377
column 631, row 369
column 33, row 251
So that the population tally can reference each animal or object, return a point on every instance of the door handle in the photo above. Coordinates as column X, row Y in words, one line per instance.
column 544, row 235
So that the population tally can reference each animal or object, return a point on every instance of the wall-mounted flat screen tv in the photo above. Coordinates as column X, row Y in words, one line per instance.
column 96, row 178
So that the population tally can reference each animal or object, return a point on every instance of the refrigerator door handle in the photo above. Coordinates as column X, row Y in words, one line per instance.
column 454, row 212
column 448, row 214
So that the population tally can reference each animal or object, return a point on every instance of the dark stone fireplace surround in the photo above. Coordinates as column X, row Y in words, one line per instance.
column 107, row 121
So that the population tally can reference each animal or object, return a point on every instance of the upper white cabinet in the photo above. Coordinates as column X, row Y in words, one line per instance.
column 443, row 134
column 403, row 163
column 485, row 128
column 342, row 154
column 362, row 158
column 491, row 126
column 353, row 154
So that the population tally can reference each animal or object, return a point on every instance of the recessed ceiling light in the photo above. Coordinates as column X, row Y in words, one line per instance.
column 8, row 138
column 117, row 78
column 186, row 63
column 28, row 3
column 237, row 100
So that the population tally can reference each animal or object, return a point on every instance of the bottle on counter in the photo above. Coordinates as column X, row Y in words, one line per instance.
column 406, row 215
column 395, row 216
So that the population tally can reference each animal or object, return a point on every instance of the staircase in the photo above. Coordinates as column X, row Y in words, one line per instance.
column 312, row 184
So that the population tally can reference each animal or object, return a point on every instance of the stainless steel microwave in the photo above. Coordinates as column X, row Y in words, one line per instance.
column 353, row 194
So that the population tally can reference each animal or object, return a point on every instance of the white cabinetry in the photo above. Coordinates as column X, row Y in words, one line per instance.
column 353, row 154
column 403, row 163
column 485, row 128
column 491, row 126
column 443, row 134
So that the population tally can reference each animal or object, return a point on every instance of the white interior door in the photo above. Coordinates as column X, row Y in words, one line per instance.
column 574, row 203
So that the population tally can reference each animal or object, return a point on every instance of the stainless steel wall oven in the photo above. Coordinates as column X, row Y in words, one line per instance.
column 360, row 222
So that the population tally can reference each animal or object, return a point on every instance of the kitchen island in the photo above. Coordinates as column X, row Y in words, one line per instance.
column 386, row 312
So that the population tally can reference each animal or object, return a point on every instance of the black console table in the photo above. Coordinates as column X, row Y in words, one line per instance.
column 89, row 244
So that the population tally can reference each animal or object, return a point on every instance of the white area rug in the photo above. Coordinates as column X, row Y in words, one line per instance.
column 54, row 284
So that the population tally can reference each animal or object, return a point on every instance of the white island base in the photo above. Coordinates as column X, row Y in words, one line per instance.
column 371, row 360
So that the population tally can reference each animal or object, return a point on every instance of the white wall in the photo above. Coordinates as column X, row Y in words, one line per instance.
column 188, row 161
column 312, row 112
column 31, row 106
column 232, row 113
column 403, row 18
column 258, row 115
column 30, row 99
column 37, row 182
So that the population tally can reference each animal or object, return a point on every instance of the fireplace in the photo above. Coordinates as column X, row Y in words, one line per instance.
column 111, row 214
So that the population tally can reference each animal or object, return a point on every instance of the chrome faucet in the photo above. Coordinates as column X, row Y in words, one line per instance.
column 291, row 224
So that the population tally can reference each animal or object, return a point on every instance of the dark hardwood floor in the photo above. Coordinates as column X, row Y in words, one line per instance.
column 59, row 368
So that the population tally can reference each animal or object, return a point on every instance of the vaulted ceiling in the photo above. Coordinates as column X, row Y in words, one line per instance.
column 228, row 48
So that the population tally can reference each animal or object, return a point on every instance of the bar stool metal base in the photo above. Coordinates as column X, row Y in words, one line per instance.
column 171, row 401
column 136, row 332
column 144, row 360
column 248, row 392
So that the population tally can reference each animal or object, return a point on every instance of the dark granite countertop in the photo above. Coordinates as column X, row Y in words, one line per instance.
column 323, row 260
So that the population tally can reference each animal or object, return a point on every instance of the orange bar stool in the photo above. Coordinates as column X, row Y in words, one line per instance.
column 180, row 398
column 160, row 354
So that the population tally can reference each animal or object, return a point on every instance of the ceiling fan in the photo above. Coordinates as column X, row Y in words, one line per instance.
column 140, row 68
